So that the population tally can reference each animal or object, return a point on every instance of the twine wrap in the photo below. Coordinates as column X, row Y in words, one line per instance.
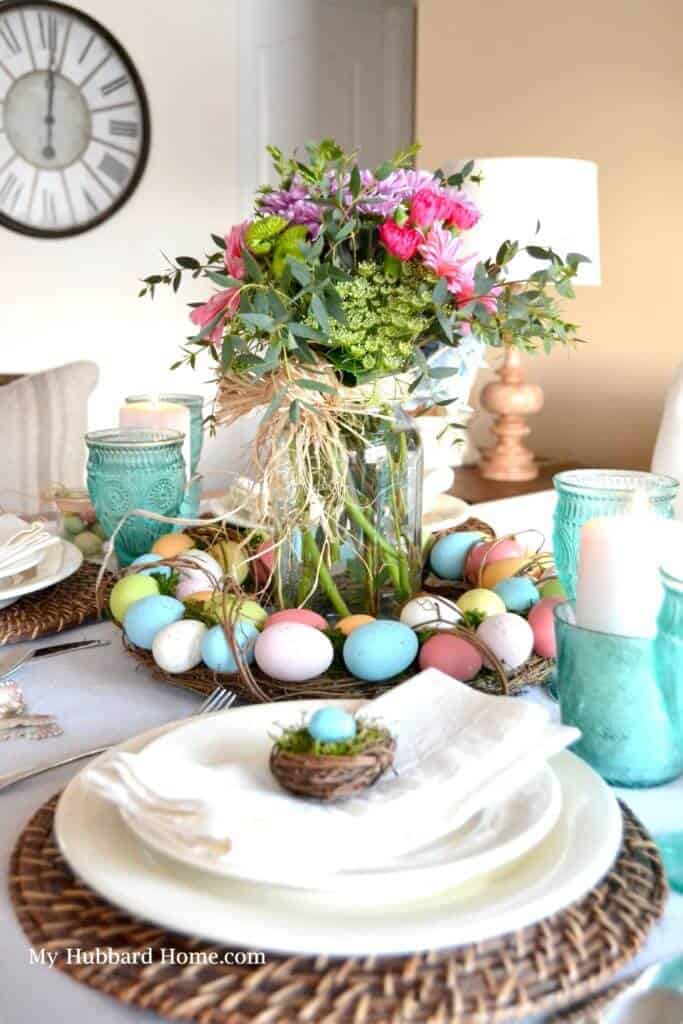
column 329, row 778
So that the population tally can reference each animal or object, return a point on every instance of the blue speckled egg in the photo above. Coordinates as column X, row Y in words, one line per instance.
column 150, row 559
column 330, row 725
column 217, row 652
column 146, row 617
column 518, row 593
column 447, row 557
column 380, row 650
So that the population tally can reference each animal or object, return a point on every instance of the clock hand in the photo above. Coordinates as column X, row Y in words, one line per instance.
column 48, row 148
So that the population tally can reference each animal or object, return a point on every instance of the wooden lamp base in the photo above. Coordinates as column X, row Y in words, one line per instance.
column 510, row 400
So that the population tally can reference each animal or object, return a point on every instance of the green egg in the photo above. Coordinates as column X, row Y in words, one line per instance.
column 552, row 588
column 98, row 531
column 129, row 590
column 89, row 543
column 73, row 525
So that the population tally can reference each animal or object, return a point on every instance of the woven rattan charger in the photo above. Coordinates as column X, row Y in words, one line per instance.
column 62, row 606
column 543, row 967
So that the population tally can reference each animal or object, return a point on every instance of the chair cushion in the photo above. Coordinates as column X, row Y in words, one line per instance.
column 43, row 418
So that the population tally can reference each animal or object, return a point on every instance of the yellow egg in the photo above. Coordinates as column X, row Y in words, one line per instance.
column 481, row 600
column 231, row 558
column 128, row 590
column 249, row 611
column 200, row 595
column 172, row 544
column 351, row 622
column 501, row 570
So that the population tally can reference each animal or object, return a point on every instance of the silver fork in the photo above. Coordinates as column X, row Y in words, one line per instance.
column 218, row 700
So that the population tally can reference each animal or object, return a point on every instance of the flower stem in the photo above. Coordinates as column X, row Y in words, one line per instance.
column 370, row 531
column 313, row 552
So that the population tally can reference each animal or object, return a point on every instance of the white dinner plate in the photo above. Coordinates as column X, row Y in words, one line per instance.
column 446, row 511
column 572, row 858
column 512, row 824
column 58, row 562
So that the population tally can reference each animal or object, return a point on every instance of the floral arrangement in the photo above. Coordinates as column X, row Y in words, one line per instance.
column 331, row 300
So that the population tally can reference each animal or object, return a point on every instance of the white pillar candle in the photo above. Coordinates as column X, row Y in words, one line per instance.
column 154, row 415
column 618, row 587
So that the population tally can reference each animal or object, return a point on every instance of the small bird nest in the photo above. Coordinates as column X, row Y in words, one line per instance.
column 329, row 777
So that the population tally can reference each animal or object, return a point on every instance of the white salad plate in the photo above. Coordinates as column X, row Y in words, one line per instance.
column 569, row 861
column 58, row 561
column 510, row 825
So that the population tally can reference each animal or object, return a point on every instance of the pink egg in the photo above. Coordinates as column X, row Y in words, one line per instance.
column 543, row 626
column 190, row 585
column 303, row 615
column 453, row 655
column 293, row 652
column 262, row 565
column 503, row 549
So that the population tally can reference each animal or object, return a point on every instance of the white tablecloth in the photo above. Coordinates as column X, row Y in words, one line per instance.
column 100, row 698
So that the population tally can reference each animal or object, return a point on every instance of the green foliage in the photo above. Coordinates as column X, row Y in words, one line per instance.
column 300, row 741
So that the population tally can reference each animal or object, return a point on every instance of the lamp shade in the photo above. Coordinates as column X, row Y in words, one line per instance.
column 517, row 193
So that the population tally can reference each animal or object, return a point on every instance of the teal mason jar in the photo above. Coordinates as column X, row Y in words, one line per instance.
column 625, row 695
column 584, row 494
column 135, row 469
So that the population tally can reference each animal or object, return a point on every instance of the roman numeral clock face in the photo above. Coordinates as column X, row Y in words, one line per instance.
column 74, row 121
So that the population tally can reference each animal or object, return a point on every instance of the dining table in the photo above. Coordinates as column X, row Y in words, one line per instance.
column 102, row 696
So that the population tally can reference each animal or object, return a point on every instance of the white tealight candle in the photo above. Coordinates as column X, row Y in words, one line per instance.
column 154, row 415
column 618, row 587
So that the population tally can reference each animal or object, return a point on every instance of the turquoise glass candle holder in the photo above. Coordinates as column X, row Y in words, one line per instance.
column 130, row 469
column 195, row 403
column 669, row 665
column 584, row 494
column 612, row 689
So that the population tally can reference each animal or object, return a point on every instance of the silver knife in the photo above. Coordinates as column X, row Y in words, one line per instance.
column 10, row 661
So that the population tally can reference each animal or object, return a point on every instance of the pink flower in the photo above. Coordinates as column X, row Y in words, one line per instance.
column 428, row 205
column 234, row 242
column 399, row 241
column 441, row 253
column 462, row 212
column 228, row 300
column 466, row 294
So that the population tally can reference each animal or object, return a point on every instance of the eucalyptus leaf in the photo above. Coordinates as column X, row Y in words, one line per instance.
column 320, row 313
column 251, row 266
column 261, row 321
column 188, row 262
column 316, row 385
column 223, row 280
column 440, row 292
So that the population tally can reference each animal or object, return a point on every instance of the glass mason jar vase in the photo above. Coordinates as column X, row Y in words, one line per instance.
column 584, row 494
column 374, row 563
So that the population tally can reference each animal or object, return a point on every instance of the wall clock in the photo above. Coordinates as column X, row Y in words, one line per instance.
column 75, row 130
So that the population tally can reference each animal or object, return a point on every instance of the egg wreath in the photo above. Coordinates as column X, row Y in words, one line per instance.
column 229, row 598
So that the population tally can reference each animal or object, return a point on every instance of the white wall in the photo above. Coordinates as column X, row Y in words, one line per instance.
column 76, row 298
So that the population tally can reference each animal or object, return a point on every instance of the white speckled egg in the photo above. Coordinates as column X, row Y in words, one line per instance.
column 178, row 647
column 201, row 567
column 427, row 611
column 293, row 652
column 510, row 637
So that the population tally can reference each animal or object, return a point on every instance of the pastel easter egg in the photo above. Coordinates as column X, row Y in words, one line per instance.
column 201, row 596
column 454, row 655
column 351, row 622
column 542, row 623
column 73, row 525
column 510, row 637
column 98, row 530
column 493, row 551
column 216, row 650
column 447, row 557
column 172, row 544
column 264, row 562
column 303, row 615
column 428, row 611
column 89, row 543
column 552, row 588
column 178, row 647
column 232, row 559
column 150, row 561
column 486, row 602
column 200, row 566
column 145, row 618
column 519, row 594
column 293, row 652
column 332, row 725
column 188, row 587
column 503, row 569
column 129, row 590
column 380, row 650
column 247, row 610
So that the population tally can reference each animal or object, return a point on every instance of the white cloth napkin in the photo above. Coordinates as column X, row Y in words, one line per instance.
column 457, row 751
column 19, row 540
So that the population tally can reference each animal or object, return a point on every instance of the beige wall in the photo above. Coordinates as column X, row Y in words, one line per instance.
column 601, row 80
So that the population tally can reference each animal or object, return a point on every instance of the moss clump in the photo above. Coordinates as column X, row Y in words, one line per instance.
column 299, row 741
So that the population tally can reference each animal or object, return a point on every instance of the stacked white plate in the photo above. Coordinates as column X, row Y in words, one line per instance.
column 522, row 858
column 41, row 569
